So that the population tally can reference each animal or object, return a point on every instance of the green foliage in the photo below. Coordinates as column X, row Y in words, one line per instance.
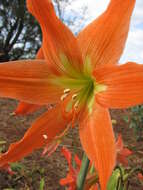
column 120, row 179
column 17, row 167
column 26, row 178
column 42, row 184
column 135, row 120
column 115, row 181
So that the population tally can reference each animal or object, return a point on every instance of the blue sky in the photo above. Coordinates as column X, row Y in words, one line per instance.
column 134, row 46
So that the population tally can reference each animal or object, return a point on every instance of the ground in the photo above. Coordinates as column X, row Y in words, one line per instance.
column 35, row 171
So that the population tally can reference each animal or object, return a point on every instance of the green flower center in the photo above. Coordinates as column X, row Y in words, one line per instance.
column 81, row 85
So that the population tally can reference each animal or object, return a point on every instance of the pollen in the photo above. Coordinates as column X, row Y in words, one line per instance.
column 63, row 97
column 67, row 91
column 45, row 136
column 74, row 96
column 76, row 105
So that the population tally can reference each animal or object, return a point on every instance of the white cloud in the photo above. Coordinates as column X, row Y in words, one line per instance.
column 95, row 7
column 134, row 45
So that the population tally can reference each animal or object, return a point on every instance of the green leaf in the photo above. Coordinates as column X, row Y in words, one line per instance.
column 115, row 181
column 17, row 166
column 42, row 184
column 126, row 119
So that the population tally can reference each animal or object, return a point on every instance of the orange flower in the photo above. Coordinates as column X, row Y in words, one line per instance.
column 71, row 177
column 122, row 152
column 140, row 176
column 80, row 76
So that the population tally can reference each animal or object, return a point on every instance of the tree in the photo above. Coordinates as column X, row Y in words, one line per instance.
column 73, row 19
column 20, row 34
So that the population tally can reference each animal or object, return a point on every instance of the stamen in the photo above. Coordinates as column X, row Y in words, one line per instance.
column 76, row 105
column 74, row 96
column 45, row 136
column 63, row 97
column 67, row 91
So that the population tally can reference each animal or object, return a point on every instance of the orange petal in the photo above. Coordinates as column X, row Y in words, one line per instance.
column 28, row 81
column 57, row 38
column 140, row 176
column 34, row 138
column 40, row 54
column 103, row 40
column 122, row 156
column 122, row 152
column 124, row 85
column 94, row 187
column 119, row 143
column 26, row 108
column 97, row 139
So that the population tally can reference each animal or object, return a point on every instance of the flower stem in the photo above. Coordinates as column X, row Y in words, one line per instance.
column 83, row 172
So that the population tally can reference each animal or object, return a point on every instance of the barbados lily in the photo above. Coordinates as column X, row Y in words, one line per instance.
column 81, row 77
column 71, row 177
column 122, row 152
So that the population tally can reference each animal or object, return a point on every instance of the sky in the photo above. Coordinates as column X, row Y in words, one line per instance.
column 134, row 47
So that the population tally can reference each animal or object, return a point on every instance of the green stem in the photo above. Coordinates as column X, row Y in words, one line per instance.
column 83, row 172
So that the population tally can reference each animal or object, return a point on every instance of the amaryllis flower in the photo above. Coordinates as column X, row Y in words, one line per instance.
column 71, row 178
column 122, row 152
column 81, row 78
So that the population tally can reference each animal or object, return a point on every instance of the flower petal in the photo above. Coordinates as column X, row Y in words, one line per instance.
column 103, row 40
column 69, row 180
column 58, row 40
column 67, row 155
column 97, row 139
column 46, row 125
column 119, row 143
column 122, row 152
column 28, row 81
column 123, row 155
column 40, row 54
column 124, row 85
column 26, row 108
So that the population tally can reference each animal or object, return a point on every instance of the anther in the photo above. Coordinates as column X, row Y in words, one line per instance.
column 63, row 97
column 66, row 91
column 76, row 105
column 45, row 136
column 74, row 96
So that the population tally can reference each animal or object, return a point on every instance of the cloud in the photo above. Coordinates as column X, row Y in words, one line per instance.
column 134, row 45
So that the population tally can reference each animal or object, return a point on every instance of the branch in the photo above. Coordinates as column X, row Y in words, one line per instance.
column 20, row 26
column 13, row 28
column 59, row 9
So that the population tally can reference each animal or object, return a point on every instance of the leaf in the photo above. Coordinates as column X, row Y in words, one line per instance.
column 17, row 166
column 126, row 119
column 42, row 184
column 114, row 181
